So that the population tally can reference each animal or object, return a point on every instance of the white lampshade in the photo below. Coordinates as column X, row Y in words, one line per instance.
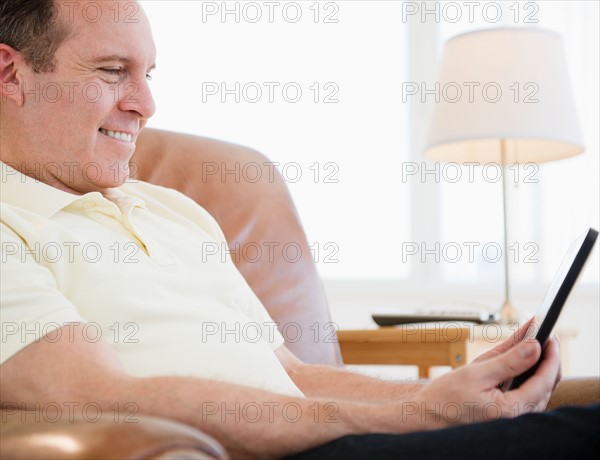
column 532, row 60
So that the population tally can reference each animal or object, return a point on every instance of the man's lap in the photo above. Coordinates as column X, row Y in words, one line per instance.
column 562, row 433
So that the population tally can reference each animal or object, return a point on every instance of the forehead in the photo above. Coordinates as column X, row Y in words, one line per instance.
column 107, row 27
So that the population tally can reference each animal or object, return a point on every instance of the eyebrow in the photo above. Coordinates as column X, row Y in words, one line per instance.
column 116, row 57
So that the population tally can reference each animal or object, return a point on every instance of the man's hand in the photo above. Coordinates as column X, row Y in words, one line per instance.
column 514, row 340
column 472, row 394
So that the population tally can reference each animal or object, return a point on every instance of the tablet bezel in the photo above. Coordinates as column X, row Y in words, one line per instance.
column 584, row 249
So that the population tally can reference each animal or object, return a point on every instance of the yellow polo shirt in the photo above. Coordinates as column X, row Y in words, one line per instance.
column 138, row 266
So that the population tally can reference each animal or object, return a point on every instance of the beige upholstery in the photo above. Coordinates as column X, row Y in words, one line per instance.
column 248, row 213
column 575, row 392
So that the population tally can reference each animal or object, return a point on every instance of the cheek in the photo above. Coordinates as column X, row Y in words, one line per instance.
column 82, row 100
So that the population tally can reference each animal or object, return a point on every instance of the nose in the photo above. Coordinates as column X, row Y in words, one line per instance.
column 137, row 97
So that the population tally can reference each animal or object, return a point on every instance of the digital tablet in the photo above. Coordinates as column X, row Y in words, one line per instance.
column 556, row 296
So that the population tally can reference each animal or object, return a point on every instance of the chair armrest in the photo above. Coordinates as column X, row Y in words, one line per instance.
column 576, row 392
column 45, row 434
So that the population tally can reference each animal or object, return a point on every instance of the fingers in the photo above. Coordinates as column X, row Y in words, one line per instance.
column 554, row 338
column 519, row 335
column 516, row 338
column 536, row 391
column 511, row 363
column 551, row 362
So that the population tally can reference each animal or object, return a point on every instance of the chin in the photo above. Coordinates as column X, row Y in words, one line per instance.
column 98, row 176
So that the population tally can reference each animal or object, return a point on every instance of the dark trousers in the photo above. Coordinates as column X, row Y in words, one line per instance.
column 566, row 433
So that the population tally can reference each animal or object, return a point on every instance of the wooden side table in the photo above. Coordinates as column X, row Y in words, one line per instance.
column 423, row 345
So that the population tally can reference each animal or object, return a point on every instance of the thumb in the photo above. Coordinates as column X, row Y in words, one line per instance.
column 512, row 363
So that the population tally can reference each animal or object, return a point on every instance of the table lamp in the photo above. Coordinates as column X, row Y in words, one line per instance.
column 516, row 107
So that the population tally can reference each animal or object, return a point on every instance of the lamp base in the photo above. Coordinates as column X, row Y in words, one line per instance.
column 508, row 313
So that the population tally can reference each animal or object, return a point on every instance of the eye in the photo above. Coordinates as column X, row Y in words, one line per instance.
column 117, row 71
column 148, row 77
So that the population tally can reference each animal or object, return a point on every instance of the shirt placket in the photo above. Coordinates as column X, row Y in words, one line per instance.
column 152, row 248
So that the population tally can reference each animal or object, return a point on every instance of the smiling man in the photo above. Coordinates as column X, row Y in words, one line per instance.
column 83, row 104
column 74, row 97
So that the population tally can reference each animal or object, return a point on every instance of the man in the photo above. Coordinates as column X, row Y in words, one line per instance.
column 74, row 98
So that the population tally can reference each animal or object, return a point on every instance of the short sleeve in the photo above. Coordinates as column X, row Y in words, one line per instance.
column 32, row 305
column 259, row 314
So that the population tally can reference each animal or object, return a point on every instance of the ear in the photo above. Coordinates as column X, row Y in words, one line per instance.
column 11, row 81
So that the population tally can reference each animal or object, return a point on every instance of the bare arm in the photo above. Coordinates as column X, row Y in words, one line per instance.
column 320, row 381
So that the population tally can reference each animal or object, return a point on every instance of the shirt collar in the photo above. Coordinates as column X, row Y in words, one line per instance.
column 30, row 194
column 25, row 192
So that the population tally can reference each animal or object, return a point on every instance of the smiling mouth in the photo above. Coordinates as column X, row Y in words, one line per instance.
column 118, row 135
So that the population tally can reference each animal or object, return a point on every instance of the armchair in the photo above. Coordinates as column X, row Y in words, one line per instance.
column 249, row 212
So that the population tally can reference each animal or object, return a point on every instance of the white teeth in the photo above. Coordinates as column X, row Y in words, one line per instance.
column 117, row 135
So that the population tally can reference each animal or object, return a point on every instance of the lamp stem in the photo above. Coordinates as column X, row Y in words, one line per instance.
column 508, row 314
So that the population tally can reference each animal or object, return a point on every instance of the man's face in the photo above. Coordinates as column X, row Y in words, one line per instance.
column 85, row 138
